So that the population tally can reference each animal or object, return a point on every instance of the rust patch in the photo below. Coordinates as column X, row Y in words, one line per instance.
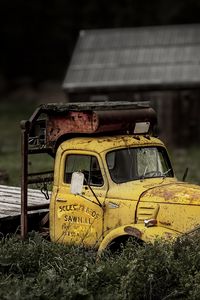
column 175, row 192
column 162, row 192
column 165, row 223
column 72, row 122
column 133, row 231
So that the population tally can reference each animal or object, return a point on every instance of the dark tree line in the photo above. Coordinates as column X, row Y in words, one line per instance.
column 38, row 36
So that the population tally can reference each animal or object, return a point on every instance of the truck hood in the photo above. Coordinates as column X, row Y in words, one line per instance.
column 167, row 190
column 179, row 192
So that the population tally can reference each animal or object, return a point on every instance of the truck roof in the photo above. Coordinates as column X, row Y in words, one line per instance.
column 103, row 144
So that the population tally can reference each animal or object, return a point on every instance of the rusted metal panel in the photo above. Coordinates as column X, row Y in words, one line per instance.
column 93, row 122
column 73, row 122
column 124, row 121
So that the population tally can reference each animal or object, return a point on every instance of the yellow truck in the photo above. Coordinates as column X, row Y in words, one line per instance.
column 112, row 176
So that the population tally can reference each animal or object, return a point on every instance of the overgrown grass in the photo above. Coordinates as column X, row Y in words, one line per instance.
column 38, row 269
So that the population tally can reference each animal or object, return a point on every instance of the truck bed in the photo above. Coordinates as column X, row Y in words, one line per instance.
column 10, row 200
column 10, row 206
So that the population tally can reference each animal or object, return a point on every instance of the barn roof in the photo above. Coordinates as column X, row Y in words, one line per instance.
column 135, row 57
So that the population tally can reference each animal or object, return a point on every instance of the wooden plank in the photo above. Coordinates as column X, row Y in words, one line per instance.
column 14, row 214
column 9, row 205
column 17, row 190
column 15, row 200
column 10, row 200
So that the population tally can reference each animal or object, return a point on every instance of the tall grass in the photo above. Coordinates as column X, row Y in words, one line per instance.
column 38, row 269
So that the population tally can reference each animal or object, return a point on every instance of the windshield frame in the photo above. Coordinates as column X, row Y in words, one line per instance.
column 169, row 173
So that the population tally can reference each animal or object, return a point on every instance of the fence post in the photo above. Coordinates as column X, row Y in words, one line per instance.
column 25, row 126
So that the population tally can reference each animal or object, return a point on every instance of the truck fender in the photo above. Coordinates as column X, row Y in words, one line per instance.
column 140, row 232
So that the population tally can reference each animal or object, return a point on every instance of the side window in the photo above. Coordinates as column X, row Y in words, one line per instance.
column 83, row 163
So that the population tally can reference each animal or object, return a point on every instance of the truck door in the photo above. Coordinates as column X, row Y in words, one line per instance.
column 78, row 219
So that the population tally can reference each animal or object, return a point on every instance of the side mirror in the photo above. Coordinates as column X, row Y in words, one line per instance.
column 77, row 183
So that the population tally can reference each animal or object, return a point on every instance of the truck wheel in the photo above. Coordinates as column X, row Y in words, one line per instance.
column 118, row 244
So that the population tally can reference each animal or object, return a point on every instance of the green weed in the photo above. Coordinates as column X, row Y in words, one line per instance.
column 38, row 269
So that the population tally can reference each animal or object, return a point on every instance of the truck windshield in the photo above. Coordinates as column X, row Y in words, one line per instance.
column 138, row 163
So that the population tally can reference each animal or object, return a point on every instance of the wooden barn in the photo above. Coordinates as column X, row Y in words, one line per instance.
column 160, row 64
